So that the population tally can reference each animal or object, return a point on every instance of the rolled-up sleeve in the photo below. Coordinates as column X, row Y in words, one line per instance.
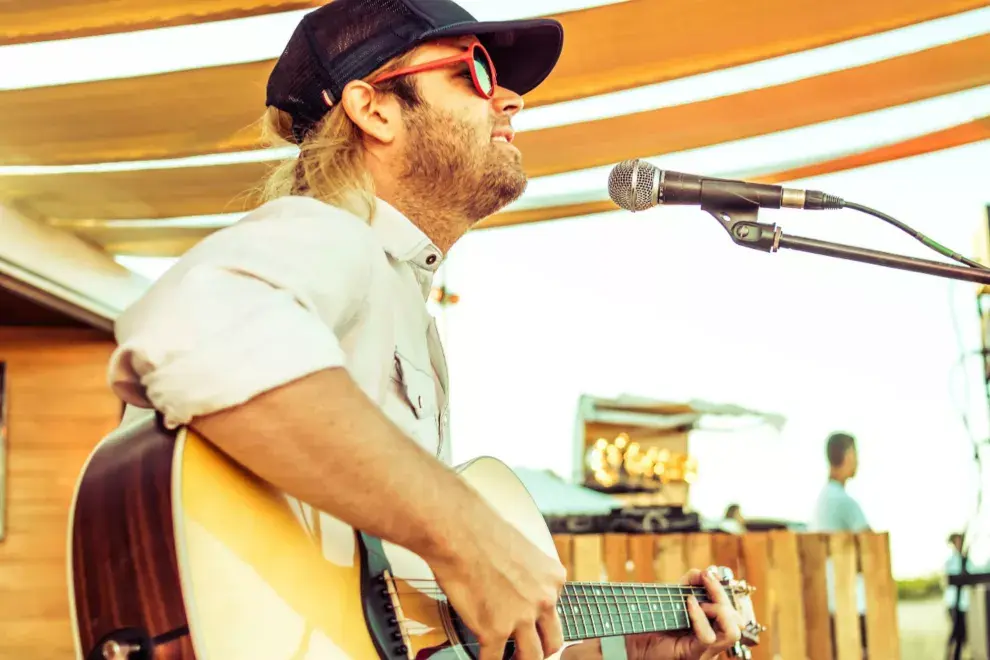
column 252, row 308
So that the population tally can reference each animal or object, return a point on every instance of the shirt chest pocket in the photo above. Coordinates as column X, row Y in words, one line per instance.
column 417, row 386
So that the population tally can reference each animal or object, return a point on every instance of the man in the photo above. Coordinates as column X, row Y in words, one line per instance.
column 836, row 510
column 957, row 616
column 298, row 340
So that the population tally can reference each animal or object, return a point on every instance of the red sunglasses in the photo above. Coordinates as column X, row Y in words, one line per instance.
column 478, row 62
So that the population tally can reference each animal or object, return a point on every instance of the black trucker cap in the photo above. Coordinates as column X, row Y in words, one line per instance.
column 347, row 40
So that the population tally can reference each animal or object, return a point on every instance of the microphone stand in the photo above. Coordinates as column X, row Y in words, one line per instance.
column 739, row 219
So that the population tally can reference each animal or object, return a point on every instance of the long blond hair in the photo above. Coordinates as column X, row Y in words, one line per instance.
column 330, row 165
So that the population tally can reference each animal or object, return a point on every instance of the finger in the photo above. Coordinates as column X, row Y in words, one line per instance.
column 528, row 645
column 492, row 649
column 692, row 578
column 700, row 625
column 728, row 621
column 551, row 632
column 715, row 590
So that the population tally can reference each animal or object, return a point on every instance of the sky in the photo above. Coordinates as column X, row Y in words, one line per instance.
column 661, row 304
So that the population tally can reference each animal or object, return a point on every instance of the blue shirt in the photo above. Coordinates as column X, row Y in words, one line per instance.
column 953, row 566
column 836, row 511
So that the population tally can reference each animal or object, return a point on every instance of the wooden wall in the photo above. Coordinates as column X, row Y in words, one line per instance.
column 59, row 407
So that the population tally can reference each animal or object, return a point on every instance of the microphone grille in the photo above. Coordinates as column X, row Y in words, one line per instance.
column 631, row 183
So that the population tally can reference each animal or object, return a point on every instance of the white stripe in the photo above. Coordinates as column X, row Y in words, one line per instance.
column 776, row 71
column 768, row 153
column 185, row 47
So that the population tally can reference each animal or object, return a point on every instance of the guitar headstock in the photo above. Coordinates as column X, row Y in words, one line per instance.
column 740, row 593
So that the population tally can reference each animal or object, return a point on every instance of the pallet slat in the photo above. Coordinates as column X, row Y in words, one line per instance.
column 882, row 640
column 792, row 574
column 848, row 642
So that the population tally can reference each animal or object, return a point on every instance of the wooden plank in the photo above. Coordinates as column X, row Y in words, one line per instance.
column 813, row 549
column 756, row 569
column 642, row 552
column 882, row 638
column 842, row 552
column 788, row 616
column 671, row 564
column 191, row 191
column 611, row 48
column 587, row 558
column 563, row 543
column 24, row 21
column 616, row 557
column 698, row 550
column 34, row 615
column 727, row 552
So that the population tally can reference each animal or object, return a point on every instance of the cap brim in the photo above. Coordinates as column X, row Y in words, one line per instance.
column 524, row 52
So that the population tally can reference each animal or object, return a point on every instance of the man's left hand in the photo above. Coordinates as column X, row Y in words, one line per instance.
column 704, row 641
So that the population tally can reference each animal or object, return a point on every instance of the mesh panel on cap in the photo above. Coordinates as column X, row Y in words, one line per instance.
column 333, row 45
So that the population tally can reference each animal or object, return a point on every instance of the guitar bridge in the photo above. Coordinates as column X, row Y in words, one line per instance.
column 398, row 617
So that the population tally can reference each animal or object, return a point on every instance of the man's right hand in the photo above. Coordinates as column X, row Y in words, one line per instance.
column 502, row 586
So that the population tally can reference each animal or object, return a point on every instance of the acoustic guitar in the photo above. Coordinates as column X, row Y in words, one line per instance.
column 177, row 553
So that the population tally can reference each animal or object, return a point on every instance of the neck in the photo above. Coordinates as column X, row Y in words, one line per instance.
column 593, row 610
column 835, row 475
column 442, row 227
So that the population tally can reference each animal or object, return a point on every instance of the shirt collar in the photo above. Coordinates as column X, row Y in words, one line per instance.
column 403, row 240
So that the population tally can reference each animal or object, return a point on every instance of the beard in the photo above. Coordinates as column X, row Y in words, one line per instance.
column 455, row 168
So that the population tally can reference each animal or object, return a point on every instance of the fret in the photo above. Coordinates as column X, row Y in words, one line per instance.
column 615, row 611
column 595, row 610
column 565, row 621
column 597, row 592
column 642, row 603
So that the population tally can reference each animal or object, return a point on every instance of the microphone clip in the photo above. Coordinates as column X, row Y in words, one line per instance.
column 740, row 220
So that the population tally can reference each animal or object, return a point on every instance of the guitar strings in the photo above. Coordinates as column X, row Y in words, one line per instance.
column 568, row 600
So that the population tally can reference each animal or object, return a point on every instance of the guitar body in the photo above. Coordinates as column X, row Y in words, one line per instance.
column 177, row 553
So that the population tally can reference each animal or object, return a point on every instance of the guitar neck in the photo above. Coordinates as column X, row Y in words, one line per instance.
column 590, row 610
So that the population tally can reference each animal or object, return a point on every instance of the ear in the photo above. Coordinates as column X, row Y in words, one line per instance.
column 378, row 115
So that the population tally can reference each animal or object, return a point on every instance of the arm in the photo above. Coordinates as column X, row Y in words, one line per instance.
column 323, row 441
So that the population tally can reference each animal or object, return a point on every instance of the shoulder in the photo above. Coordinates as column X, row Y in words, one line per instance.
column 291, row 238
column 300, row 222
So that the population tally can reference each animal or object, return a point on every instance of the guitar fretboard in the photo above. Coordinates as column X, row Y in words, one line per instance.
column 591, row 610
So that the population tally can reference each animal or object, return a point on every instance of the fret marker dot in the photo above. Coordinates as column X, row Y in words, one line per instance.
column 577, row 609
column 654, row 608
column 606, row 625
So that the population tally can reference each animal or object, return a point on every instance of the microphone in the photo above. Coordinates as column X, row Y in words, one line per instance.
column 636, row 185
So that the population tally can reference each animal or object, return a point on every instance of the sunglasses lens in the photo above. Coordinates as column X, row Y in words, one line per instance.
column 483, row 72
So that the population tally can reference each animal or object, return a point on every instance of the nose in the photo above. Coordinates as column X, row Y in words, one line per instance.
column 507, row 102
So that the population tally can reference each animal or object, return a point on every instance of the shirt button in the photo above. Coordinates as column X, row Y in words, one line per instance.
column 432, row 259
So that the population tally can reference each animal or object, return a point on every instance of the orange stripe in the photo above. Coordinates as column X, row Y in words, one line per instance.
column 968, row 133
column 173, row 241
column 214, row 109
column 24, row 21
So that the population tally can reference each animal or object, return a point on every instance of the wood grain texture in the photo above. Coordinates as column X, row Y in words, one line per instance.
column 125, row 570
column 214, row 109
column 57, row 414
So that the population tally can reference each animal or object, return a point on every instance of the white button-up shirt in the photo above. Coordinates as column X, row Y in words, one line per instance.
column 295, row 287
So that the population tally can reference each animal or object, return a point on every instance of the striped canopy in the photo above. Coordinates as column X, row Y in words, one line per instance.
column 145, row 154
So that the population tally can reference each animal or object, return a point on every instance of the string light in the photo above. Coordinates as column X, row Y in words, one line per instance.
column 625, row 462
